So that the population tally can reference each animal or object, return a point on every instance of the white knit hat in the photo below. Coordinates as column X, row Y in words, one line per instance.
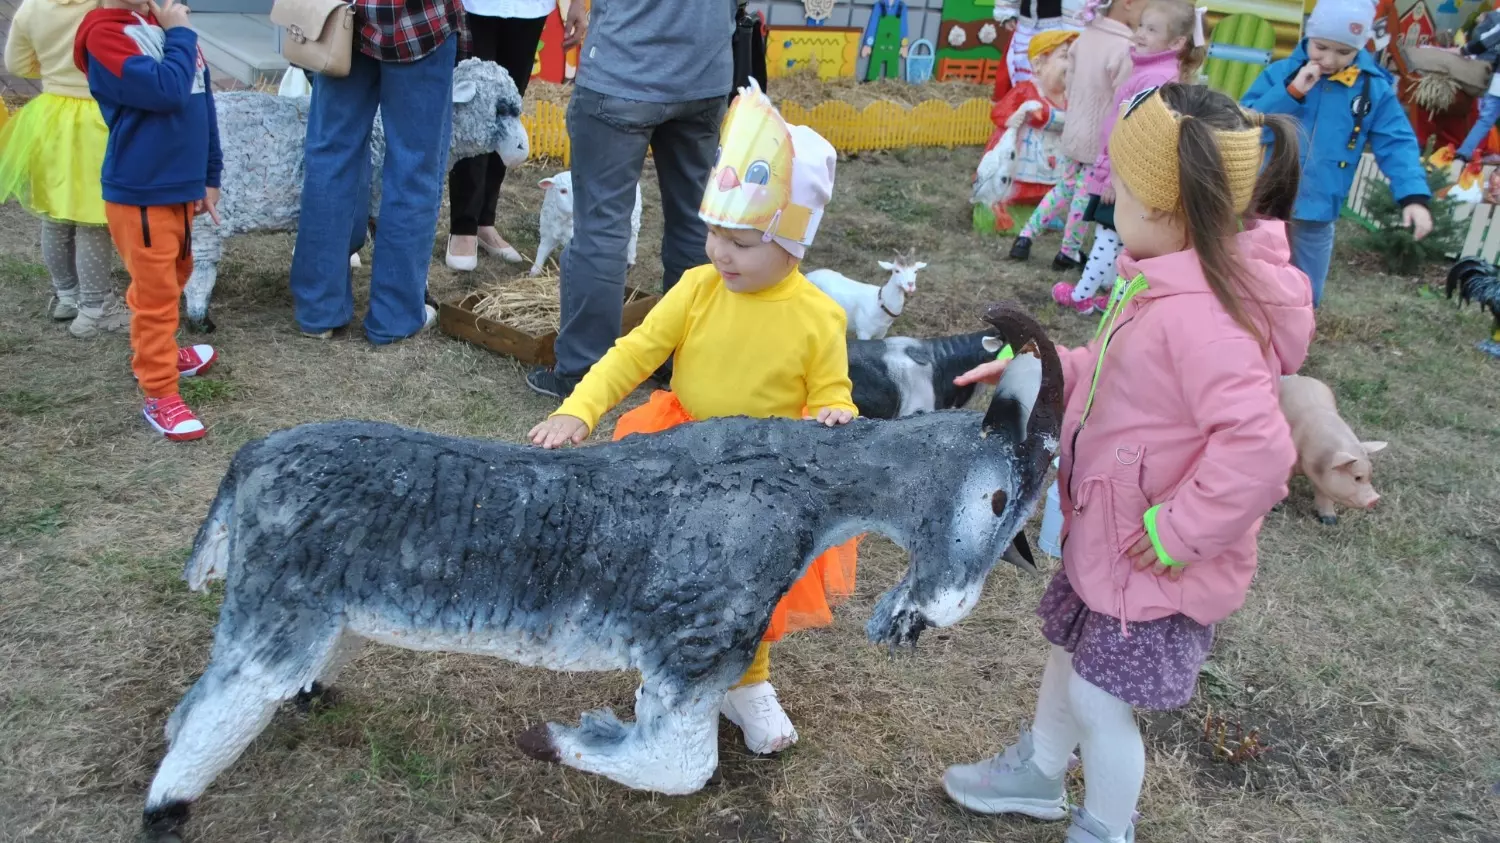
column 1348, row 22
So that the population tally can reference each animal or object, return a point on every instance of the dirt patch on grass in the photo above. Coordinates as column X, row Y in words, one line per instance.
column 1366, row 653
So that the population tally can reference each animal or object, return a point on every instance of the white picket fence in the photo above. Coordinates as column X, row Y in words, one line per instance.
column 1483, row 238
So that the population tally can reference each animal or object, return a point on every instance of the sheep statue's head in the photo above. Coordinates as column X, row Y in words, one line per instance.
column 487, row 113
column 995, row 471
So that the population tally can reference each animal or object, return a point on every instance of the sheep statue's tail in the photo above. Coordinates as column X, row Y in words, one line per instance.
column 210, row 559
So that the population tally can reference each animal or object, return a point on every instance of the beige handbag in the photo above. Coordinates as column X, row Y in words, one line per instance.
column 318, row 34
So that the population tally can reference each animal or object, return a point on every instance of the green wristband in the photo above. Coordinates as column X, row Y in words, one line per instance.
column 1006, row 353
column 1161, row 553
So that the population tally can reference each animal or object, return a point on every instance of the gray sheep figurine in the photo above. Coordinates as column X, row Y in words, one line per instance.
column 262, row 139
column 663, row 554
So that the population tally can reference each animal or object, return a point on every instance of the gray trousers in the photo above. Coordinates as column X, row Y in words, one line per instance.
column 609, row 136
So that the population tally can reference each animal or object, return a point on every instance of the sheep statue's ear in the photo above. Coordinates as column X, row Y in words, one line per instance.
column 545, row 184
column 464, row 91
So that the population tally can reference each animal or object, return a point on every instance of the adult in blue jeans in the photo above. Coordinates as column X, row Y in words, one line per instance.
column 403, row 65
column 653, row 73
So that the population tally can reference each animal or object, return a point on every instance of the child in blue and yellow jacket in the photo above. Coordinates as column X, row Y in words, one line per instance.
column 1343, row 101
column 161, row 168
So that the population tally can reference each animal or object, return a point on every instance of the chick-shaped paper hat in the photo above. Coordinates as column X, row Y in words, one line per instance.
column 770, row 176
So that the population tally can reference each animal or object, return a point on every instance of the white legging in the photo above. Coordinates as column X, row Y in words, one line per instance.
column 1072, row 712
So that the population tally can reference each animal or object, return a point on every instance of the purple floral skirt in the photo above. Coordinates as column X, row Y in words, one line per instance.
column 1156, row 667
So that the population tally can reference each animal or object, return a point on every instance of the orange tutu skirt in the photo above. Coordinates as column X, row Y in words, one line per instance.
column 828, row 581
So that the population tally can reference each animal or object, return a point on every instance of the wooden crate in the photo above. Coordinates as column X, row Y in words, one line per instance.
column 457, row 319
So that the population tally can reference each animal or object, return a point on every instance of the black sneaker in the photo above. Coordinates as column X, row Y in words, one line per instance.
column 1062, row 262
column 1021, row 250
column 544, row 381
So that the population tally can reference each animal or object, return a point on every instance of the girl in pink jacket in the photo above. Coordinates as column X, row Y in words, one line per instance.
column 1168, row 46
column 1173, row 448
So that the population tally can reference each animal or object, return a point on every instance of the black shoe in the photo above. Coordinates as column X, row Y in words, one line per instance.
column 1063, row 263
column 544, row 381
column 1021, row 250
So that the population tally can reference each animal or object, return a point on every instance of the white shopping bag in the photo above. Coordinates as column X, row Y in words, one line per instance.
column 294, row 84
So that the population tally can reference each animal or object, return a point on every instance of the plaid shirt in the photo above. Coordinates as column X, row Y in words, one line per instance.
column 407, row 30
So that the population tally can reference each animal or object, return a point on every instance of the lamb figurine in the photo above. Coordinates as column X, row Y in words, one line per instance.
column 262, row 138
column 556, row 223
column 663, row 554
column 871, row 309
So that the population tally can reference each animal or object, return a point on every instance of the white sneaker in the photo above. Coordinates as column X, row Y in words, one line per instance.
column 111, row 315
column 755, row 709
column 462, row 263
column 431, row 318
column 62, row 307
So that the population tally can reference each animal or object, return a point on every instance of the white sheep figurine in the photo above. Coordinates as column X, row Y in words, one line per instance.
column 262, row 137
column 556, row 223
column 872, row 309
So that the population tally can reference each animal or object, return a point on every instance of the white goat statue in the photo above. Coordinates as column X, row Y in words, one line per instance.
column 872, row 309
column 556, row 223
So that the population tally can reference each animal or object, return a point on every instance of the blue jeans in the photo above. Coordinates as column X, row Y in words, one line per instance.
column 1312, row 249
column 610, row 136
column 1489, row 114
column 415, row 103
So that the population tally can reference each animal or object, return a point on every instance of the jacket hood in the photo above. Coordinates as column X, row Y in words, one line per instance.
column 1280, row 289
column 96, row 19
column 1363, row 60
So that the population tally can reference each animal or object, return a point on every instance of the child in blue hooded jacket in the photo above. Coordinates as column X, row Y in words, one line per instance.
column 1343, row 100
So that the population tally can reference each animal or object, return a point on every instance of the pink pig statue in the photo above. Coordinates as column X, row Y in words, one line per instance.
column 1328, row 452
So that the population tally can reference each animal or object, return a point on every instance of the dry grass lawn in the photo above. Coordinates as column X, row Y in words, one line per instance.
column 1366, row 657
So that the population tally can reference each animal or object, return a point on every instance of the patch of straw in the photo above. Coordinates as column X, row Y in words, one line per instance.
column 807, row 89
column 530, row 304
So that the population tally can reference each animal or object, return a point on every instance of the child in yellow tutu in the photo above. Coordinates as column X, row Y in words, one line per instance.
column 749, row 336
column 51, row 154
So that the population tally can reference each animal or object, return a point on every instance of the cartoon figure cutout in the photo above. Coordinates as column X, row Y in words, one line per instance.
column 751, row 183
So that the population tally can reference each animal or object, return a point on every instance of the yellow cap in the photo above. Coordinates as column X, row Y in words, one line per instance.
column 1043, row 43
column 1143, row 151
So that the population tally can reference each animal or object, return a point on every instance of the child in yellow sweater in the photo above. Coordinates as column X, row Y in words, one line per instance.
column 51, row 156
column 749, row 336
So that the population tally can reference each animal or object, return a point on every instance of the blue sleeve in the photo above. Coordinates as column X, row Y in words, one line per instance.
column 215, row 154
column 904, row 22
column 868, row 38
column 128, row 77
column 1486, row 36
column 1268, row 94
column 1396, row 150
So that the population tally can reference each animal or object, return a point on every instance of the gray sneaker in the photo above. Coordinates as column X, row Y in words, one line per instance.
column 1008, row 783
column 62, row 307
column 1086, row 829
column 111, row 315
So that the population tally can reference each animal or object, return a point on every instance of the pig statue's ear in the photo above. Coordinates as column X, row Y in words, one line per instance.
column 1373, row 447
column 1341, row 461
column 464, row 91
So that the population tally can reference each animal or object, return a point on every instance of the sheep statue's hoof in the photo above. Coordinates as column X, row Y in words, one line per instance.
column 536, row 742
column 1328, row 520
column 202, row 326
column 319, row 696
column 164, row 824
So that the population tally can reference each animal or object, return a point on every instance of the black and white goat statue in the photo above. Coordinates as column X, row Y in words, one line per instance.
column 663, row 554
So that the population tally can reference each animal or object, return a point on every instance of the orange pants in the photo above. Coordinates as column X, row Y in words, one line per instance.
column 156, row 244
column 828, row 581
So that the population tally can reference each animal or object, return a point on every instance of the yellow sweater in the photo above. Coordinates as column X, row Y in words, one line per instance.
column 765, row 354
column 40, row 45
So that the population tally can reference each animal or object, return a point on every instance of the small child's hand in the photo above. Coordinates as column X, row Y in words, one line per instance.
column 559, row 430
column 983, row 373
column 1142, row 555
column 833, row 416
column 1108, row 196
column 209, row 204
column 1418, row 219
column 170, row 15
column 1307, row 77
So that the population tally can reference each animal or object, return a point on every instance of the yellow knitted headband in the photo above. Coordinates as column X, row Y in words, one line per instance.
column 1143, row 150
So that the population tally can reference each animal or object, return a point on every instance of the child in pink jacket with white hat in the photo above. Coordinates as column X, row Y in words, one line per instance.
column 1173, row 449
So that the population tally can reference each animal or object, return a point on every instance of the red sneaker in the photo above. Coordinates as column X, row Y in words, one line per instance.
column 173, row 419
column 195, row 359
column 1062, row 293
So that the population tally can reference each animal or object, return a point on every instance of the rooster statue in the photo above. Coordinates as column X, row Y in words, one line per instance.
column 1478, row 281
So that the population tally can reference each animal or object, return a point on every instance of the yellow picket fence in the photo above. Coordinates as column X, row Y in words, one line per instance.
column 880, row 125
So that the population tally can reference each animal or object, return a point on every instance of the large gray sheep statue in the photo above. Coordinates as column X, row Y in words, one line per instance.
column 662, row 554
column 262, row 139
